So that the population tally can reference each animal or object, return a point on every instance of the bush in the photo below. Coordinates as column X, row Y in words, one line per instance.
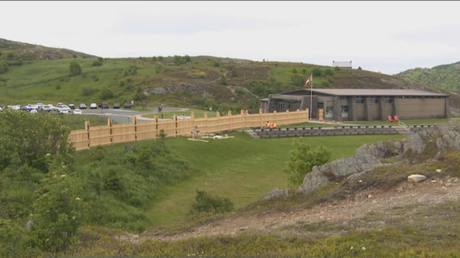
column 3, row 67
column 97, row 63
column 303, row 159
column 74, row 68
column 207, row 203
column 106, row 94
column 329, row 72
column 317, row 72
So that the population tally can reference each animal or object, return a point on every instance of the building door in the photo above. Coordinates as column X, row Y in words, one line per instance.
column 280, row 107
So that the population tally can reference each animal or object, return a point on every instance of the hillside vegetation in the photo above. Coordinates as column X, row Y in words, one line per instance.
column 29, row 76
column 446, row 77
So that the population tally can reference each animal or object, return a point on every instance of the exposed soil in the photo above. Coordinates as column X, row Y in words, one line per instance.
column 370, row 209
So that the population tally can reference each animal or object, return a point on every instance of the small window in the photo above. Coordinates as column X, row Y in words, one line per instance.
column 387, row 100
column 359, row 100
column 374, row 100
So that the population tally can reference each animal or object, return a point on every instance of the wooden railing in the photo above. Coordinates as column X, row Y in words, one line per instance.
column 130, row 132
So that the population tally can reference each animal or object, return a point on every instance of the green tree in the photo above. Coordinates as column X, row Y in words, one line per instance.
column 57, row 211
column 11, row 240
column 74, row 68
column 302, row 160
column 26, row 139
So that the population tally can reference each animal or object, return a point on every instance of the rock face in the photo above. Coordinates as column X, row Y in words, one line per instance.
column 277, row 193
column 194, row 89
column 368, row 156
column 337, row 169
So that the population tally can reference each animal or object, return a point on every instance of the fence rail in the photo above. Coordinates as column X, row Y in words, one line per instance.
column 119, row 133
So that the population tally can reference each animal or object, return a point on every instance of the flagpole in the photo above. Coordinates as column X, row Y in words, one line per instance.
column 311, row 96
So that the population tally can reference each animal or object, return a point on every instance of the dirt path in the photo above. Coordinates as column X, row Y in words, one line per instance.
column 407, row 196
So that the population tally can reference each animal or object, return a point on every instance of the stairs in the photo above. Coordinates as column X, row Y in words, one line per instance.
column 252, row 133
column 403, row 128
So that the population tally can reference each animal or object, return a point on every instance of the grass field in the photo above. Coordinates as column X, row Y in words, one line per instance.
column 240, row 168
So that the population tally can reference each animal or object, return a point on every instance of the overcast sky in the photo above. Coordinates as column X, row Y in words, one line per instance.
column 387, row 37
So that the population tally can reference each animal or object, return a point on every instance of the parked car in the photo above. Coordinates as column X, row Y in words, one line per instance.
column 77, row 111
column 48, row 108
column 33, row 111
column 104, row 105
column 64, row 110
column 116, row 105
column 128, row 105
column 93, row 106
column 71, row 106
column 82, row 106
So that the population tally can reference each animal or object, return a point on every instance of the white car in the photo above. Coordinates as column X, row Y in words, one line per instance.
column 77, row 111
column 33, row 111
column 93, row 106
column 64, row 110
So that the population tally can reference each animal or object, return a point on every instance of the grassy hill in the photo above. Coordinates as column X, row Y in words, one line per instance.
column 30, row 76
column 446, row 77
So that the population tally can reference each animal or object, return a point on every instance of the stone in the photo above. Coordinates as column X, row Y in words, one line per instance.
column 277, row 193
column 415, row 178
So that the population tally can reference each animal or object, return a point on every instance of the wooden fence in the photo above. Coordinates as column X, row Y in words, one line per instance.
column 118, row 133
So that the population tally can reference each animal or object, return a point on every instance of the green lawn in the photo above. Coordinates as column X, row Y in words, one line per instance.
column 240, row 168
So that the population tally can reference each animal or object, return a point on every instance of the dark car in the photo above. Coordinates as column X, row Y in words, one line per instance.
column 71, row 106
column 128, row 105
column 104, row 105
column 82, row 106
column 116, row 105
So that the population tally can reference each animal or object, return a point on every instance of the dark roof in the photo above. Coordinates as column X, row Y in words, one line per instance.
column 370, row 92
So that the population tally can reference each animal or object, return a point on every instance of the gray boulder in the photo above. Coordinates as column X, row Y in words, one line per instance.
column 277, row 193
column 337, row 169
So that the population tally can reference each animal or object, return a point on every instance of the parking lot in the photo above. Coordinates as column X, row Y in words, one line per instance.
column 125, row 115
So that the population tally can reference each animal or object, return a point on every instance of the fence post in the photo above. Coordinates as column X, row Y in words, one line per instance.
column 175, row 125
column 109, row 123
column 87, row 132
column 156, row 126
column 135, row 127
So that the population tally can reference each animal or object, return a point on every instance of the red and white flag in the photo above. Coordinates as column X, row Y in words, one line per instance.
column 308, row 80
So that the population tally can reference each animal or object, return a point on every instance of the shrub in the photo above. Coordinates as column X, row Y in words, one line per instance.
column 208, row 203
column 302, row 160
column 3, row 67
column 106, row 94
column 325, row 84
column 317, row 72
column 97, row 63
column 328, row 71
column 74, row 68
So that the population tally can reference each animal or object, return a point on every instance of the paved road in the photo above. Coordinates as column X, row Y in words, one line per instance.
column 126, row 116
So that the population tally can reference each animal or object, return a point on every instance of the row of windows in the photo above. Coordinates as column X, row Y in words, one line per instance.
column 373, row 100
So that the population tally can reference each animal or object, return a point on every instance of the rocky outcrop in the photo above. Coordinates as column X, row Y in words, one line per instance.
column 338, row 169
column 368, row 156
column 277, row 193
column 194, row 89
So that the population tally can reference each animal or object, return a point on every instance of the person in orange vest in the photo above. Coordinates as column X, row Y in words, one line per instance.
column 274, row 126
column 267, row 125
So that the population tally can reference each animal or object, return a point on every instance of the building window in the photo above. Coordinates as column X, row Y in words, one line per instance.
column 387, row 100
column 359, row 100
column 374, row 100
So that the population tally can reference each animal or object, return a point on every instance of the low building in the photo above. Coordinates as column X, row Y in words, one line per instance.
column 361, row 104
